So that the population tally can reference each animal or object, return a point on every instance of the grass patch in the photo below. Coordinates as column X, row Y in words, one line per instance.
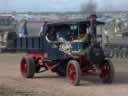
column 9, row 91
column 120, row 61
column 14, row 91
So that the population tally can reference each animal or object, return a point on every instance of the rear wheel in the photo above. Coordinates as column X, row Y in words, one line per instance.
column 27, row 67
column 73, row 72
column 107, row 72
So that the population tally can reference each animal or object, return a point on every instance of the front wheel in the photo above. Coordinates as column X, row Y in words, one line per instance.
column 107, row 72
column 27, row 67
column 73, row 72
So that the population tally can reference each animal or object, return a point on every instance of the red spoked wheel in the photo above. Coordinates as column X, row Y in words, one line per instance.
column 27, row 67
column 24, row 68
column 107, row 72
column 73, row 72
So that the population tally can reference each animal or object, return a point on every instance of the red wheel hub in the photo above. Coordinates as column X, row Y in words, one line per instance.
column 72, row 73
column 105, row 71
column 24, row 68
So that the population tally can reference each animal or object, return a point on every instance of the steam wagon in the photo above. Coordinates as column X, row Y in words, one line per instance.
column 69, row 48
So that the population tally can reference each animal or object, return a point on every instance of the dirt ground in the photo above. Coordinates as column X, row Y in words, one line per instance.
column 49, row 84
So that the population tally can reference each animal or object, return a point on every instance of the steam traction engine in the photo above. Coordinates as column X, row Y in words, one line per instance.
column 70, row 56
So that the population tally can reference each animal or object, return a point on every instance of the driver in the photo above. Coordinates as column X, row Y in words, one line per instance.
column 84, row 37
column 50, row 37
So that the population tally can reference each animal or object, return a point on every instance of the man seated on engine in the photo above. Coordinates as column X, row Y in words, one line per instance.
column 84, row 36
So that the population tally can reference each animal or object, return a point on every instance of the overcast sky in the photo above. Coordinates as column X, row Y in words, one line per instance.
column 59, row 5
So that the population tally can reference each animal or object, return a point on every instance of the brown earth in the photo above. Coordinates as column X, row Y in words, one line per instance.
column 49, row 84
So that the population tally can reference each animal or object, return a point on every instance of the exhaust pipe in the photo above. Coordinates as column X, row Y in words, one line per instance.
column 93, row 28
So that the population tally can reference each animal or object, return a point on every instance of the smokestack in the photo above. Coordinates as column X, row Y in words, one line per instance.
column 93, row 27
column 93, row 24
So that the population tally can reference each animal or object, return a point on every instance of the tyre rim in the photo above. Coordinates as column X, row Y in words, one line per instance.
column 105, row 71
column 72, row 73
column 24, row 68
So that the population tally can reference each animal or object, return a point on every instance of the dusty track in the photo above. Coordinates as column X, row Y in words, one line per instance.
column 52, row 85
